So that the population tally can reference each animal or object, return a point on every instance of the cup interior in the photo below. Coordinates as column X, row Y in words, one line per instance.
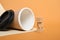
column 26, row 19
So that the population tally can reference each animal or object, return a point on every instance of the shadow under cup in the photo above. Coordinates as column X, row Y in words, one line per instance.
column 24, row 19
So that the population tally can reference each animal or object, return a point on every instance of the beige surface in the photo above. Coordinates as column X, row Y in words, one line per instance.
column 12, row 32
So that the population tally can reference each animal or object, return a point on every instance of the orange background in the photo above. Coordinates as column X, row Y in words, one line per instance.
column 49, row 10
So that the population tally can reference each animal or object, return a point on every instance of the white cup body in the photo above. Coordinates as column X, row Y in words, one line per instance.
column 24, row 19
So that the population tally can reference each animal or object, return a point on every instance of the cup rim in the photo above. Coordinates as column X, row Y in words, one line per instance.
column 19, row 15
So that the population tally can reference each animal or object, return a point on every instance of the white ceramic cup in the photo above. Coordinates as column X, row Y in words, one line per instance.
column 24, row 19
